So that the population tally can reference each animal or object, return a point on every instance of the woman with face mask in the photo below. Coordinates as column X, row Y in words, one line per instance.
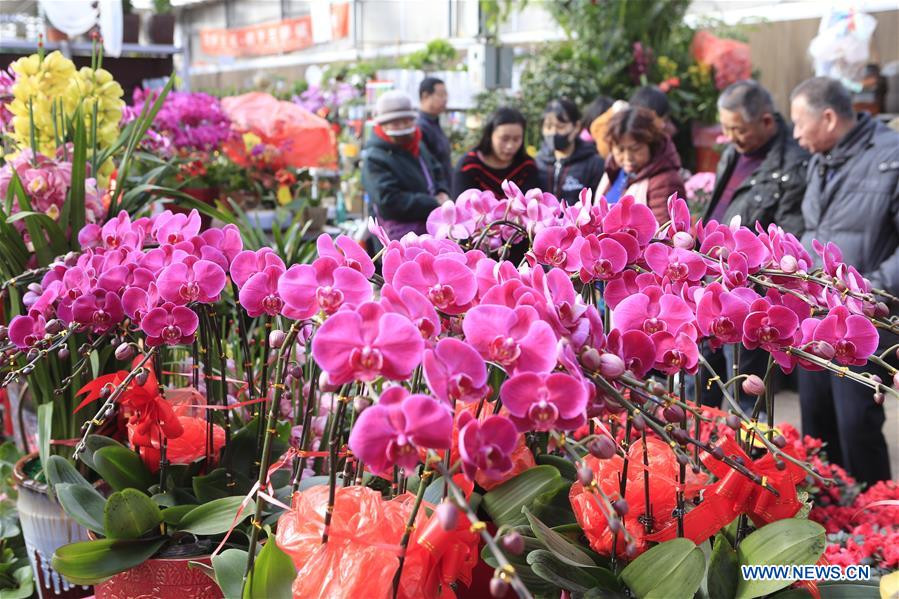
column 567, row 163
column 499, row 156
column 643, row 162
column 404, row 181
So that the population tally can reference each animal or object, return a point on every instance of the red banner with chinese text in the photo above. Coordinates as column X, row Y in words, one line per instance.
column 279, row 37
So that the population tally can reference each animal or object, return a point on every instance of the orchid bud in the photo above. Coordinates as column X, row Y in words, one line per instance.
column 673, row 413
column 54, row 326
column 789, row 264
column 64, row 354
column 585, row 475
column 447, row 515
column 71, row 259
column 682, row 459
column 123, row 352
column 295, row 370
column 717, row 453
column 657, row 389
column 325, row 385
column 881, row 310
column 602, row 448
column 361, row 403
column 780, row 464
column 513, row 543
column 498, row 587
column 753, row 385
column 684, row 240
column 591, row 359
column 875, row 378
column 896, row 380
column 631, row 549
column 639, row 422
column 779, row 441
column 276, row 338
column 733, row 421
column 681, row 436
column 824, row 350
column 614, row 525
column 611, row 366
column 879, row 398
column 621, row 507
column 32, row 354
column 141, row 378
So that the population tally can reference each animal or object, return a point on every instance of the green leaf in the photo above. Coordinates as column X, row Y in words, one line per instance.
column 90, row 562
column 839, row 590
column 558, row 545
column 59, row 470
column 548, row 567
column 215, row 517
column 122, row 468
column 272, row 574
column 84, row 504
column 539, row 484
column 565, row 467
column 75, row 205
column 93, row 443
column 129, row 514
column 44, row 431
column 671, row 570
column 216, row 485
column 229, row 567
column 791, row 542
column 724, row 569
column 41, row 248
column 173, row 515
column 24, row 577
column 9, row 520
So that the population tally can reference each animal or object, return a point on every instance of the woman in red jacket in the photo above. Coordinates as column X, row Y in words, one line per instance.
column 643, row 162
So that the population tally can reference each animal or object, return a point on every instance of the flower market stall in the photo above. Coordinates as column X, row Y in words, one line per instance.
column 223, row 414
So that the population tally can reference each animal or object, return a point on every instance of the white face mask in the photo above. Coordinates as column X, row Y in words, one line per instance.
column 400, row 132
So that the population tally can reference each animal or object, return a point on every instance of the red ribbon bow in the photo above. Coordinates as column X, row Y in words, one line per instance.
column 735, row 494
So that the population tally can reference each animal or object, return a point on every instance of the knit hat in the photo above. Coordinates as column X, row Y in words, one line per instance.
column 394, row 105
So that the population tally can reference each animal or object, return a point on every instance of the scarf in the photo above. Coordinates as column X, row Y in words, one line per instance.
column 411, row 146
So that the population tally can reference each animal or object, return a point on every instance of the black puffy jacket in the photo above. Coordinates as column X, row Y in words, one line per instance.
column 773, row 192
column 566, row 177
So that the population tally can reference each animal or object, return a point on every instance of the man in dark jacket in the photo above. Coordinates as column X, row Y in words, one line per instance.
column 403, row 180
column 852, row 199
column 566, row 176
column 432, row 98
column 761, row 174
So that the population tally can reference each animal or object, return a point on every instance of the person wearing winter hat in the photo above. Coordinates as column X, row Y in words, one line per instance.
column 403, row 179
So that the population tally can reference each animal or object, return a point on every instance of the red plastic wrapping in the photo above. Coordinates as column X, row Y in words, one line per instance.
column 361, row 555
column 305, row 139
column 730, row 58
column 663, row 474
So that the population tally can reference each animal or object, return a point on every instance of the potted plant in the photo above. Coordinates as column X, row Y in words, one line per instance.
column 130, row 24
column 162, row 23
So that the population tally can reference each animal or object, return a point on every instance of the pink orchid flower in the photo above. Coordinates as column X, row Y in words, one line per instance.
column 451, row 221
column 675, row 263
column 634, row 219
column 853, row 337
column 345, row 252
column 635, row 348
column 25, row 331
column 192, row 280
column 652, row 311
column 445, row 280
column 391, row 432
column 486, row 446
column 137, row 302
column 455, row 372
column 679, row 214
column 414, row 306
column 490, row 273
column 769, row 326
column 601, row 259
column 174, row 228
column 515, row 339
column 542, row 402
column 676, row 352
column 553, row 247
column 259, row 294
column 247, row 263
column 170, row 324
column 99, row 310
column 720, row 314
column 830, row 255
column 626, row 285
column 322, row 286
column 221, row 245
column 365, row 343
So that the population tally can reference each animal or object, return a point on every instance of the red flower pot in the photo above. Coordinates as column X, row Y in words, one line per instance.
column 161, row 579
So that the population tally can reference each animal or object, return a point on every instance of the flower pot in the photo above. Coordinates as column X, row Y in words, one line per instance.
column 162, row 29
column 705, row 138
column 207, row 195
column 131, row 28
column 317, row 217
column 22, row 418
column 161, row 578
column 55, row 35
column 45, row 528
